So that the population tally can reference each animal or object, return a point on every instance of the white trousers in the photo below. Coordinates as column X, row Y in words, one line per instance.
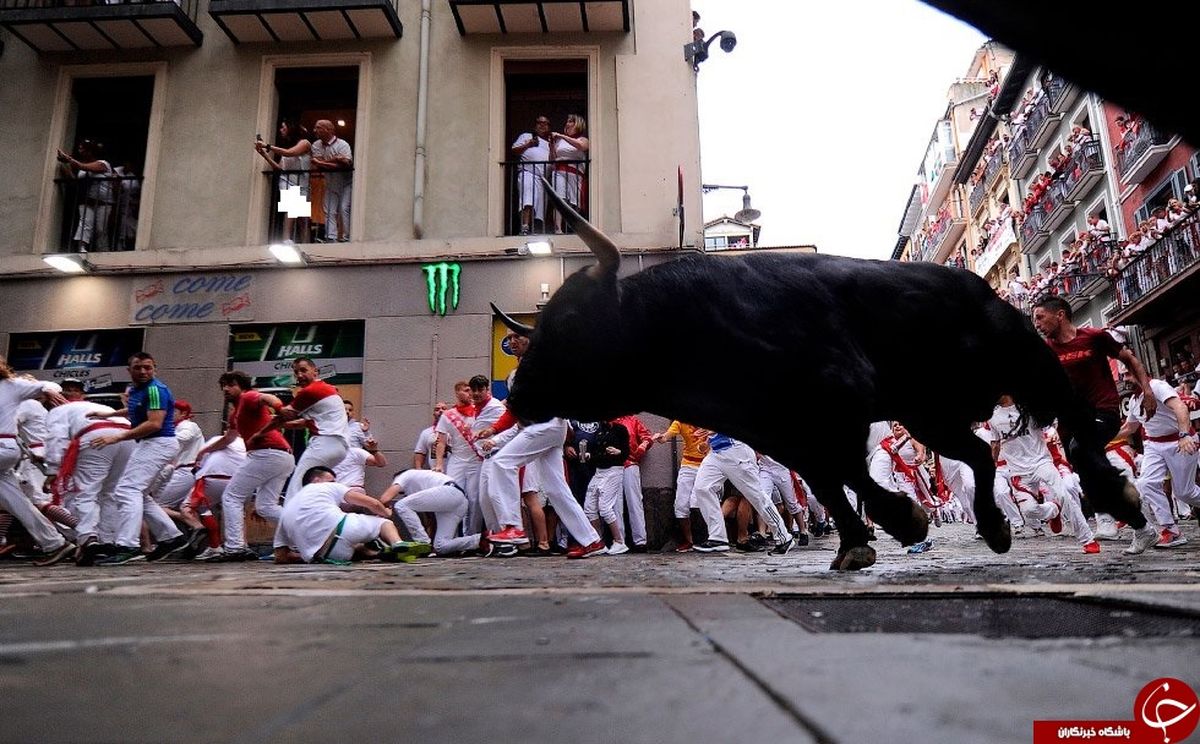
column 960, row 479
column 449, row 506
column 261, row 477
column 93, row 502
column 632, row 486
column 604, row 494
column 1160, row 459
column 33, row 480
column 775, row 478
column 322, row 449
column 467, row 474
column 684, row 483
column 14, row 501
column 132, row 494
column 177, row 488
column 737, row 465
column 539, row 448
column 1045, row 474
column 337, row 203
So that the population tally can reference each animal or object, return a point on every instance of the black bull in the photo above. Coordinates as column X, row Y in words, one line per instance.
column 796, row 355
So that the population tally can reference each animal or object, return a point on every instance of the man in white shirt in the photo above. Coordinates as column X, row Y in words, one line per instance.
column 424, row 453
column 324, row 410
column 1169, row 445
column 178, row 478
column 333, row 158
column 533, row 148
column 314, row 529
column 353, row 470
column 434, row 493
column 454, row 431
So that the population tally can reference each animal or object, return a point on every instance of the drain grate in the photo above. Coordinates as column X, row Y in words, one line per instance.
column 990, row 616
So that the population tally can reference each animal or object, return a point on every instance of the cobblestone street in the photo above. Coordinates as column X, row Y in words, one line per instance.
column 636, row 647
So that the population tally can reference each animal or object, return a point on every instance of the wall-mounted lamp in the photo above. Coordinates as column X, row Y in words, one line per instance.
column 69, row 263
column 286, row 253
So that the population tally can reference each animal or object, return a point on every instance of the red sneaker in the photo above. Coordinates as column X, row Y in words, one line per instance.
column 1170, row 539
column 1092, row 548
column 511, row 535
column 1055, row 524
column 587, row 551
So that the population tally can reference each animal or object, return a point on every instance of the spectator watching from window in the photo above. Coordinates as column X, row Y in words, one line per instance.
column 332, row 156
column 94, row 194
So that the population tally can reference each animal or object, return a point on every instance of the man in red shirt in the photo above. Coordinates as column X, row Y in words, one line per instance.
column 640, row 439
column 1084, row 354
column 268, row 463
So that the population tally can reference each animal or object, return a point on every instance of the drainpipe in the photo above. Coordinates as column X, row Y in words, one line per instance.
column 422, row 97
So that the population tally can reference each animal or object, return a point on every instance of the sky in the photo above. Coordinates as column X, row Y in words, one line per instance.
column 825, row 111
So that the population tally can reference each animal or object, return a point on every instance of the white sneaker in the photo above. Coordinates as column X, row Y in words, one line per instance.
column 210, row 554
column 1142, row 539
column 618, row 548
column 1106, row 527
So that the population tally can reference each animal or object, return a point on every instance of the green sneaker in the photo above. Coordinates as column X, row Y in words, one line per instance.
column 405, row 551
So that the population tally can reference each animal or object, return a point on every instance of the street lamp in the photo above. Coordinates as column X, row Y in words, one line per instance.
column 746, row 213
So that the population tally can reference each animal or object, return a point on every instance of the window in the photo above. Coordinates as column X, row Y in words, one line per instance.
column 304, row 97
column 1171, row 188
column 554, row 93
column 108, row 126
column 717, row 242
column 1196, row 164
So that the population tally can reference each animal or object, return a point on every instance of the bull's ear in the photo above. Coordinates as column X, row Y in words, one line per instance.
column 607, row 256
column 514, row 326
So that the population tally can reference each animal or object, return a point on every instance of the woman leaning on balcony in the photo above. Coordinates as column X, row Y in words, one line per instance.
column 569, row 149
column 294, row 150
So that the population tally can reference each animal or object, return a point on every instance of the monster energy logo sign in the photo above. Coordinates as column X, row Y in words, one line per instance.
column 441, row 279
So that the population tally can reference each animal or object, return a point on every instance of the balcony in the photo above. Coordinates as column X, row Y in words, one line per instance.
column 1021, row 158
column 1062, row 94
column 977, row 197
column 1033, row 230
column 309, row 229
column 274, row 21
column 945, row 231
column 539, row 16
column 98, row 213
column 1041, row 124
column 523, row 191
column 1085, row 168
column 994, row 165
column 1161, row 284
column 1141, row 151
column 1055, row 205
column 88, row 25
column 999, row 241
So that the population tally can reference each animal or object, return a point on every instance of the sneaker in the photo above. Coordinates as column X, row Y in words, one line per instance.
column 1171, row 539
column 783, row 547
column 556, row 549
column 210, row 555
column 524, row 230
column 1142, row 539
column 1055, row 523
column 345, row 239
column 167, row 548
column 509, row 535
column 617, row 548
column 121, row 557
column 1106, row 527
column 684, row 547
column 57, row 555
column 638, row 548
column 1092, row 548
column 401, row 549
column 920, row 547
column 195, row 543
column 503, row 550
column 587, row 551
column 801, row 539
column 711, row 546
column 749, row 545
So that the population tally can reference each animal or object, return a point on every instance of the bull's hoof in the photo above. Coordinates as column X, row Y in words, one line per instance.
column 853, row 559
column 900, row 517
column 997, row 535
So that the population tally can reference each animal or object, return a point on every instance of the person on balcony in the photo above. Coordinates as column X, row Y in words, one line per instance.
column 94, row 196
column 294, row 151
column 332, row 156
column 1175, row 212
column 533, row 149
column 1097, row 227
column 568, row 150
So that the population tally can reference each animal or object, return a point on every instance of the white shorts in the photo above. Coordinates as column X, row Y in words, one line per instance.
column 358, row 529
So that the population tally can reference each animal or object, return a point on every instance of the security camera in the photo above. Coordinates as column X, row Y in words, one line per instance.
column 728, row 41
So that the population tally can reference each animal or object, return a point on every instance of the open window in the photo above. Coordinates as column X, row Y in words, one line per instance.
column 309, row 98
column 543, row 97
column 1172, row 188
column 99, row 196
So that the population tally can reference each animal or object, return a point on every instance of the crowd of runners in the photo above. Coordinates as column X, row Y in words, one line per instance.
column 82, row 482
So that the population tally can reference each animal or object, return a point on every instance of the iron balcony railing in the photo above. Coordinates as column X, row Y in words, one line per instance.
column 98, row 213
column 1031, row 227
column 1054, row 199
column 1085, row 159
column 1134, row 146
column 1055, row 88
column 1178, row 250
column 527, row 210
column 977, row 195
column 993, row 166
column 1017, row 146
column 948, row 216
column 189, row 7
column 311, row 185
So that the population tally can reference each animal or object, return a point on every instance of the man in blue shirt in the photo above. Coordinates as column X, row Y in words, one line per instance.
column 151, row 411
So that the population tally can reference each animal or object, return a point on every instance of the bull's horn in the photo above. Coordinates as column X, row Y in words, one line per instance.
column 518, row 328
column 606, row 252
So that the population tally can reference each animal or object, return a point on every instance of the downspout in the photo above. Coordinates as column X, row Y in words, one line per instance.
column 422, row 97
